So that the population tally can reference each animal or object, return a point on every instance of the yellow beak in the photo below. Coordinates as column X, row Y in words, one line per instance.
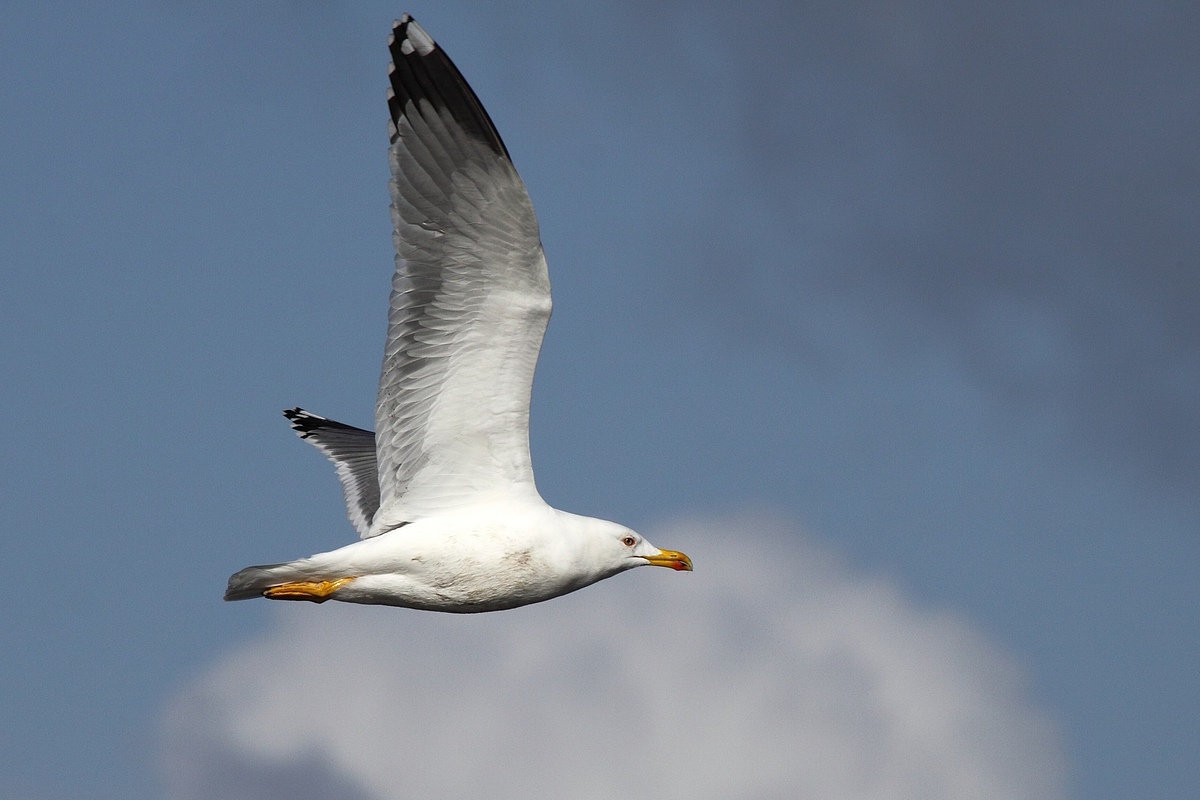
column 670, row 558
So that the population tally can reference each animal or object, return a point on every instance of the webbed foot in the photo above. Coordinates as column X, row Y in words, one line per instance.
column 312, row 591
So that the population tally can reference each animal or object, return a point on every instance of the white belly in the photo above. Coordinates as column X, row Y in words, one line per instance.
column 463, row 566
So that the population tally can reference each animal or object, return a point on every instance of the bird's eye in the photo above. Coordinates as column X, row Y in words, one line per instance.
column 629, row 541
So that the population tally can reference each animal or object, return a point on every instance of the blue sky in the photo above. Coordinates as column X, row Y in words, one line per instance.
column 914, row 288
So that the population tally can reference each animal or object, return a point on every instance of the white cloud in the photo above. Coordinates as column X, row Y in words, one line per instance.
column 770, row 672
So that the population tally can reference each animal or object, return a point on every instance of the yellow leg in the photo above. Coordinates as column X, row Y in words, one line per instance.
column 313, row 591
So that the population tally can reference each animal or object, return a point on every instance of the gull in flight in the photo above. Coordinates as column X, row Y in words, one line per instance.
column 442, row 493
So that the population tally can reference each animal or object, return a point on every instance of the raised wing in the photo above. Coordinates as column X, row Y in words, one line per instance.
column 352, row 451
column 470, row 299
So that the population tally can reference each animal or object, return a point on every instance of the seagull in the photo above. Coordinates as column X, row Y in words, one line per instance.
column 442, row 493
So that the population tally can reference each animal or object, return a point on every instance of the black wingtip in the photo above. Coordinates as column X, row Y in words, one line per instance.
column 421, row 70
column 303, row 422
column 306, row 423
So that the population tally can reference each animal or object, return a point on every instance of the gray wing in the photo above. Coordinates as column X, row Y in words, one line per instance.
column 352, row 451
column 470, row 299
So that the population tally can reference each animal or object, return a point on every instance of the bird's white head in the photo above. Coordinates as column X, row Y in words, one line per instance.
column 618, row 548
